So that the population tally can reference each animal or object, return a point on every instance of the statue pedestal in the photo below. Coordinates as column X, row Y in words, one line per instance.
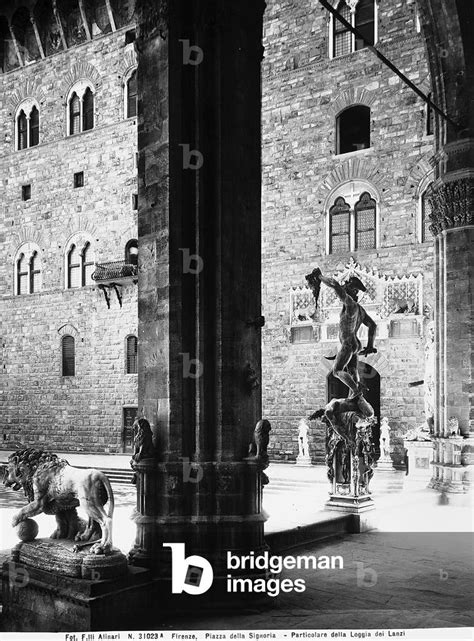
column 350, row 493
column 44, row 589
column 350, row 504
column 303, row 461
column 420, row 457
column 451, row 465
column 385, row 465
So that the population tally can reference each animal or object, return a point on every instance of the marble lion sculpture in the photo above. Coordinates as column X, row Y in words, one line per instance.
column 52, row 486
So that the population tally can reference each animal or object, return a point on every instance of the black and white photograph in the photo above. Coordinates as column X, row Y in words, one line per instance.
column 236, row 359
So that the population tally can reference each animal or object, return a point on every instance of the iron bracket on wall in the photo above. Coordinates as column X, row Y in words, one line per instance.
column 106, row 289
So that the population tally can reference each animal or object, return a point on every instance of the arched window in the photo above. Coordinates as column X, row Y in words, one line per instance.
column 80, row 108
column 132, row 95
column 73, row 268
column 131, row 252
column 34, row 127
column 353, row 129
column 131, row 355
column 79, row 264
column 22, row 275
column 27, row 270
column 342, row 35
column 22, row 124
column 74, row 114
column 352, row 218
column 27, row 125
column 87, row 264
column 363, row 17
column 68, row 354
column 365, row 23
column 365, row 221
column 339, row 220
column 88, row 110
column 35, row 273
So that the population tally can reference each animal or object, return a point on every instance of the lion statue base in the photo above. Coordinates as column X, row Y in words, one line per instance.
column 52, row 486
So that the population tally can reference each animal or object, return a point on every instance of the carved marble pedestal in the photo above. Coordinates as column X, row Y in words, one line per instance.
column 452, row 471
column 420, row 457
column 351, row 495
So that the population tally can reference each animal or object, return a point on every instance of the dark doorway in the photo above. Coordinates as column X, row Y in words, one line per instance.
column 129, row 416
column 370, row 379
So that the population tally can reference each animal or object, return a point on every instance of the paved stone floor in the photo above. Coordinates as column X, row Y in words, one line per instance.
column 397, row 580
column 415, row 569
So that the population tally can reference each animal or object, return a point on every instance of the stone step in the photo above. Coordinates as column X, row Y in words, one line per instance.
column 115, row 475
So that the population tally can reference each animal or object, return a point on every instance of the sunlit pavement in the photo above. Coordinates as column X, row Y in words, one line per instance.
column 294, row 497
column 414, row 570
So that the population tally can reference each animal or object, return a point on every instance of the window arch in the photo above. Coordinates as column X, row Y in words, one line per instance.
column 353, row 129
column 131, row 94
column 131, row 252
column 362, row 15
column 22, row 275
column 339, row 221
column 364, row 213
column 131, row 355
column 79, row 263
column 27, row 123
column 35, row 273
column 352, row 218
column 80, row 108
column 27, row 270
column 68, row 355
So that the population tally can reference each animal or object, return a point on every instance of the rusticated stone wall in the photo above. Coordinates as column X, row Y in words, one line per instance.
column 37, row 404
column 303, row 91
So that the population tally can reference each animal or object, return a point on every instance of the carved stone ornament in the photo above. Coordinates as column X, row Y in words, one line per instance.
column 153, row 18
column 452, row 205
column 352, row 4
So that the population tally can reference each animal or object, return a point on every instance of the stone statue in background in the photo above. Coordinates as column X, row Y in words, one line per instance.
column 258, row 448
column 304, row 457
column 429, row 376
column 303, row 447
column 385, row 440
column 142, row 440
column 352, row 317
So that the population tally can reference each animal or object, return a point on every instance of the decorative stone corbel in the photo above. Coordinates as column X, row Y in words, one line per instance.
column 452, row 205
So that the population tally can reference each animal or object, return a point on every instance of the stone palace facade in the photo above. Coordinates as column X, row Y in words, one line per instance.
column 68, row 225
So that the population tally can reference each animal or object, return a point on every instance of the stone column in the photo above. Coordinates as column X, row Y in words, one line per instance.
column 199, row 278
column 452, row 205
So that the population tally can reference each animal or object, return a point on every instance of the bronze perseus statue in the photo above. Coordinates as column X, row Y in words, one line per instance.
column 353, row 315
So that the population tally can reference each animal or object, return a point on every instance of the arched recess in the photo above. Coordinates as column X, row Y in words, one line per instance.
column 25, row 35
column 370, row 378
column 48, row 27
column 124, row 11
column 8, row 56
column 97, row 17
column 71, row 19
